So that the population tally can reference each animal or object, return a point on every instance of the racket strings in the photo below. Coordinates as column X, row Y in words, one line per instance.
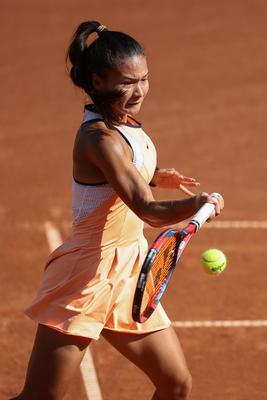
column 159, row 271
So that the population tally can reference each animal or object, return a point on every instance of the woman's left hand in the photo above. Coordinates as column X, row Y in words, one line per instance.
column 169, row 178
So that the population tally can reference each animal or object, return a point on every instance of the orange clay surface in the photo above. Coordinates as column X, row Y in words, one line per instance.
column 206, row 112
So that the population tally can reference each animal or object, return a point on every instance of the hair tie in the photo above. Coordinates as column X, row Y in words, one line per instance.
column 101, row 28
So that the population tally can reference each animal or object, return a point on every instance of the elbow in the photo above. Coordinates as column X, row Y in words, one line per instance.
column 153, row 223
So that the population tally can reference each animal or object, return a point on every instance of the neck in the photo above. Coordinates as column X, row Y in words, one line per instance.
column 122, row 118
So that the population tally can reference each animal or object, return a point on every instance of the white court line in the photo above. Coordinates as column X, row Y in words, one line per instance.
column 236, row 225
column 217, row 224
column 53, row 236
column 225, row 225
column 89, row 376
column 221, row 324
column 88, row 372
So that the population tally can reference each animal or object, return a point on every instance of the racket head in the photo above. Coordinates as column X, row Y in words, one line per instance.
column 155, row 274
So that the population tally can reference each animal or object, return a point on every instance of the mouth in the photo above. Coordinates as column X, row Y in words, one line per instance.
column 134, row 103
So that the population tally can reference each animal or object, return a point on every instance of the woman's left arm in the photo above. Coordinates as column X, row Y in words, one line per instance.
column 169, row 178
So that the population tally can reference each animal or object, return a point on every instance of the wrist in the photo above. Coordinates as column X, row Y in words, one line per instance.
column 200, row 200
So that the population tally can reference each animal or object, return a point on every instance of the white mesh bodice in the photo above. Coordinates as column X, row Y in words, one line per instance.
column 87, row 198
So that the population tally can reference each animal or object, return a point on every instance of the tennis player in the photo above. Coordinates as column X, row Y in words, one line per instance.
column 89, row 281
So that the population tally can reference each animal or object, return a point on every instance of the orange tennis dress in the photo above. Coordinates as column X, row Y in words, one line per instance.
column 89, row 281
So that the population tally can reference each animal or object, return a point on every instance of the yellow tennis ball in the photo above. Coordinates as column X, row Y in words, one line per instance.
column 214, row 261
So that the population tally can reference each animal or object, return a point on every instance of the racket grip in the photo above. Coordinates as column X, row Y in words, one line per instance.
column 202, row 215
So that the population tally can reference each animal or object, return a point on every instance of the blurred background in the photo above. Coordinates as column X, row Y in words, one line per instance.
column 208, row 90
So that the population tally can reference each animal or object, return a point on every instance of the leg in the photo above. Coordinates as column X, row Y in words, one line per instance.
column 160, row 356
column 54, row 360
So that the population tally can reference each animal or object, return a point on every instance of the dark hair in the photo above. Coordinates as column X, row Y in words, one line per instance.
column 103, row 54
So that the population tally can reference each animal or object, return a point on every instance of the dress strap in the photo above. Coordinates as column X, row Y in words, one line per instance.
column 90, row 116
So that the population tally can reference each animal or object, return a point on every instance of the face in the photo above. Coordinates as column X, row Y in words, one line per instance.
column 131, row 79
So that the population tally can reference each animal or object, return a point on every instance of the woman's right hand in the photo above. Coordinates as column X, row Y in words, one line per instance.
column 213, row 198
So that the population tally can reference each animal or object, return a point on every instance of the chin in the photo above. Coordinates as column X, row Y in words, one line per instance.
column 133, row 109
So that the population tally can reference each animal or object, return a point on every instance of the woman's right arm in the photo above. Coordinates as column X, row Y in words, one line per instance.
column 107, row 151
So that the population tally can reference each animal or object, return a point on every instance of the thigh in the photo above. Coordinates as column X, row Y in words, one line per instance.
column 54, row 360
column 158, row 354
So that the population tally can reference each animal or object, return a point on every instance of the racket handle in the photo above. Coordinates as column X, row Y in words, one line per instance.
column 202, row 215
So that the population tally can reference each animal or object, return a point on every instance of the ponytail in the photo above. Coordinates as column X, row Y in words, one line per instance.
column 102, row 54
column 77, row 52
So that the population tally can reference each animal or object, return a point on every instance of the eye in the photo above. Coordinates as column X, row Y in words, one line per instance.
column 145, row 78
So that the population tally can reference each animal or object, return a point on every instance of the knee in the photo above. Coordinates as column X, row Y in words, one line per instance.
column 176, row 389
column 182, row 389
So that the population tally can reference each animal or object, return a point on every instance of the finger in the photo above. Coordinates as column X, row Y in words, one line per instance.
column 186, row 191
column 215, row 200
column 211, row 216
column 186, row 179
column 191, row 184
column 167, row 172
column 220, row 199
column 183, row 177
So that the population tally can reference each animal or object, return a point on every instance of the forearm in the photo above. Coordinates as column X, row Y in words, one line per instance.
column 162, row 213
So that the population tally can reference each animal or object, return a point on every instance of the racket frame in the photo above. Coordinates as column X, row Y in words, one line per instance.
column 183, row 237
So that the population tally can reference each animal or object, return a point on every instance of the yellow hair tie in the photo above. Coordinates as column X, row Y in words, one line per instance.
column 101, row 28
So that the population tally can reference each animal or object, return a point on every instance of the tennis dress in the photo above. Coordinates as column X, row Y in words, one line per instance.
column 89, row 281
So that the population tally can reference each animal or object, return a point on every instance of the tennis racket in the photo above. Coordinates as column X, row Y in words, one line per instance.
column 160, row 262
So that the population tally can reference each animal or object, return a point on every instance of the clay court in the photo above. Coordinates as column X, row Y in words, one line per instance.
column 208, row 79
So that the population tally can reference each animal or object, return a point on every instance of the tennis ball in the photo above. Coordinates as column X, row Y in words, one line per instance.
column 214, row 261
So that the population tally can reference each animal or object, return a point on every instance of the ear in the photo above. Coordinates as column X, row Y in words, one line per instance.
column 97, row 82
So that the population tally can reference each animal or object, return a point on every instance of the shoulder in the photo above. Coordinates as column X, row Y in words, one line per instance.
column 96, row 138
column 93, row 133
column 94, row 128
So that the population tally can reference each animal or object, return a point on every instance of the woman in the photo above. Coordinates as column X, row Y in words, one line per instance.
column 89, row 281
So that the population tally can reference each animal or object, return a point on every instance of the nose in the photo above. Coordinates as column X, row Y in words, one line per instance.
column 139, row 90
